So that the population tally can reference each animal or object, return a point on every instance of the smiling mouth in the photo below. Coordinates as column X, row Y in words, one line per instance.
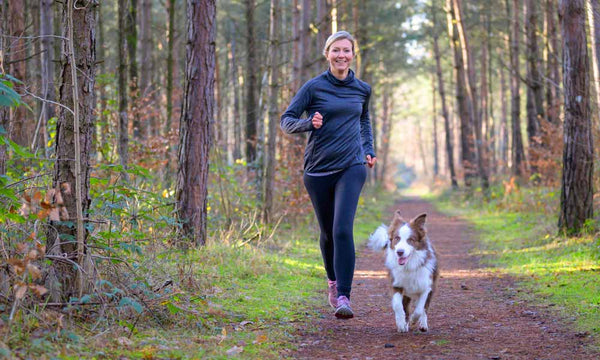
column 402, row 260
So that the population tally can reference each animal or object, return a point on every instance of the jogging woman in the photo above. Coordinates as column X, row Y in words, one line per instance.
column 339, row 145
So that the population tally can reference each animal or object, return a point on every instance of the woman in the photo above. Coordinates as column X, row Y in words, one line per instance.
column 340, row 143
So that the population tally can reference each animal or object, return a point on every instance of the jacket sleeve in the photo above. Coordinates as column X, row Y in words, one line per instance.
column 291, row 122
column 365, row 128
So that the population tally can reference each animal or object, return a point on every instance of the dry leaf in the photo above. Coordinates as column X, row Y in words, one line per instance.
column 46, row 204
column 27, row 198
column 58, row 198
column 64, row 214
column 22, row 247
column 34, row 271
column 18, row 265
column 32, row 254
column 54, row 215
column 42, row 214
column 20, row 291
column 38, row 290
column 235, row 350
column 66, row 188
column 260, row 339
column 49, row 196
column 41, row 248
column 124, row 341
column 37, row 196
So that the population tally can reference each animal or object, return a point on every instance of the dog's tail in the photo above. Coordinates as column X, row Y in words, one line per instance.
column 379, row 240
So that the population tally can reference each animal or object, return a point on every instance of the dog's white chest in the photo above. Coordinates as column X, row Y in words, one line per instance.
column 413, row 282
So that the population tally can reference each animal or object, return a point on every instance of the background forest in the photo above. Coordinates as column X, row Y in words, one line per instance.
column 127, row 180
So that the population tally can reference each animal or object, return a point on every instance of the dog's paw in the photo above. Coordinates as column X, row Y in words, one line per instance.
column 402, row 327
column 420, row 322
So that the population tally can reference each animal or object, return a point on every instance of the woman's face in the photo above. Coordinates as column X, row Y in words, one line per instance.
column 340, row 55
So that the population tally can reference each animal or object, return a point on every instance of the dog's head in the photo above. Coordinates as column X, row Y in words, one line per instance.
column 407, row 237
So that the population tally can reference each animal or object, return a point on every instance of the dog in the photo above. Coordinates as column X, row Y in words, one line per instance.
column 412, row 265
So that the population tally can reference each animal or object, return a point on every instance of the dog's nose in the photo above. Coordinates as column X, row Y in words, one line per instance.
column 400, row 252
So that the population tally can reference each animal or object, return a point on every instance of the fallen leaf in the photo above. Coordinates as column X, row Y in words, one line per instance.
column 38, row 290
column 124, row 341
column 20, row 291
column 34, row 271
column 234, row 350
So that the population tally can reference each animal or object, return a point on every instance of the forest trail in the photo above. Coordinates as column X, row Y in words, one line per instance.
column 474, row 314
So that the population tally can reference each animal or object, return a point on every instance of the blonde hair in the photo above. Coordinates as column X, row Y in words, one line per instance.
column 340, row 35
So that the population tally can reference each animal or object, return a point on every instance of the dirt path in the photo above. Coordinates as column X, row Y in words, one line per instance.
column 474, row 315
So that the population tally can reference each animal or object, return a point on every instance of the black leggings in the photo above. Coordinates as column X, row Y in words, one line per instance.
column 335, row 198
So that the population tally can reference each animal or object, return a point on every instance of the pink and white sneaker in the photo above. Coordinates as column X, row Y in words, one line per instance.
column 343, row 310
column 332, row 289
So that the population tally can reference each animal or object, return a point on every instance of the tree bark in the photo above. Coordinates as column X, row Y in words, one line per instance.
column 518, row 154
column 535, row 90
column 273, row 113
column 576, row 200
column 473, row 100
column 4, row 112
column 195, row 124
column 465, row 115
column 67, row 178
column 445, row 114
column 123, row 145
column 132, row 40
column 503, row 131
column 21, row 125
column 251, row 84
column 552, row 66
column 170, row 65
column 594, row 23
column 47, row 65
column 235, row 93
column 436, row 166
column 324, row 26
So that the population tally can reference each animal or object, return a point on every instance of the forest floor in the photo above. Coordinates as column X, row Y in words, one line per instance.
column 475, row 313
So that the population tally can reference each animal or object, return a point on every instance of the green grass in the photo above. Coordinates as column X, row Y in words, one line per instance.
column 518, row 237
column 229, row 301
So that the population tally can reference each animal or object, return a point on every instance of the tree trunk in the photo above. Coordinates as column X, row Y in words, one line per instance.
column 576, row 200
column 436, row 166
column 4, row 111
column 21, row 124
column 464, row 108
column 503, row 131
column 386, row 128
column 196, row 118
column 170, row 45
column 273, row 113
column 471, row 87
column 324, row 26
column 251, row 84
column 594, row 23
column 70, row 178
column 445, row 113
column 535, row 90
column 146, row 87
column 123, row 145
column 235, row 93
column 552, row 66
column 47, row 65
column 132, row 40
column 518, row 154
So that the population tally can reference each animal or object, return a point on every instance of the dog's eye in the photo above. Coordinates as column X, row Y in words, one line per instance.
column 396, row 238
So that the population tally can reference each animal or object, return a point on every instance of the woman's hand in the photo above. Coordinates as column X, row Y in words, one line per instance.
column 317, row 120
column 371, row 161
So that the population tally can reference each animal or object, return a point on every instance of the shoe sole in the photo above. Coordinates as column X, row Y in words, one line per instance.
column 344, row 313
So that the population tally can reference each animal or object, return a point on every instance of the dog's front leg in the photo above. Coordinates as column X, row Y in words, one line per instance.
column 419, row 316
column 398, row 307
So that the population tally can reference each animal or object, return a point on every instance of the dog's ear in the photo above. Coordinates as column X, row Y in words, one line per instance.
column 419, row 222
column 396, row 223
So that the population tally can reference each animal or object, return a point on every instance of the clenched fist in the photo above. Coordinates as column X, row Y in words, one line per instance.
column 317, row 120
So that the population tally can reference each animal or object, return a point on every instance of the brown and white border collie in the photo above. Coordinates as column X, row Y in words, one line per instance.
column 412, row 265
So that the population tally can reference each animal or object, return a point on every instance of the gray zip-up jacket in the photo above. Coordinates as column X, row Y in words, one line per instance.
column 345, row 139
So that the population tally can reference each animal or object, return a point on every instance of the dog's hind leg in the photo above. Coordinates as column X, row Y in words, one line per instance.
column 401, row 316
column 419, row 316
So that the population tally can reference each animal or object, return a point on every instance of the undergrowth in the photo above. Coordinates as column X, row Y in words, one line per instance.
column 518, row 236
